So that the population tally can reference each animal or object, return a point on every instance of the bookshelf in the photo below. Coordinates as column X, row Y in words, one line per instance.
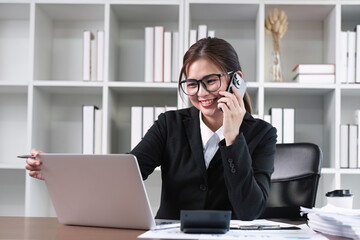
column 41, row 87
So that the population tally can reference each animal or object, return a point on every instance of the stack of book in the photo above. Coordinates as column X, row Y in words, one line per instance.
column 142, row 118
column 93, row 56
column 92, row 129
column 314, row 73
column 349, row 143
column 161, row 55
column 201, row 32
column 283, row 119
column 349, row 56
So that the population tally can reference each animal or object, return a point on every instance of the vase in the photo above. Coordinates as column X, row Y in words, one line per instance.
column 275, row 70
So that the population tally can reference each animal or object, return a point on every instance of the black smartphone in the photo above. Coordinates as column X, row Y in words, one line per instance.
column 238, row 83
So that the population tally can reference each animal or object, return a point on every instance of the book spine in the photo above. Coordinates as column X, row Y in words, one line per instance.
column 98, row 131
column 353, row 131
column 159, row 54
column 192, row 37
column 149, row 54
column 136, row 125
column 357, row 122
column 288, row 125
column 344, row 146
column 202, row 32
column 88, row 129
column 175, row 56
column 277, row 122
column 100, row 55
column 343, row 57
column 357, row 80
column 87, row 37
column 351, row 57
column 148, row 119
column 93, row 60
column 167, row 56
column 211, row 33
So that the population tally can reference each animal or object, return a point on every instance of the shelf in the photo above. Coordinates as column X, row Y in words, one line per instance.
column 127, row 36
column 59, row 28
column 238, row 26
column 19, row 166
column 14, row 42
column 298, row 88
column 310, row 37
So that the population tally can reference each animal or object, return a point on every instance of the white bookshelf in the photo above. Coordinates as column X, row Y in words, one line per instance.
column 42, row 92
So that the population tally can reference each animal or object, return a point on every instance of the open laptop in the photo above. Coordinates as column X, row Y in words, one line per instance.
column 97, row 190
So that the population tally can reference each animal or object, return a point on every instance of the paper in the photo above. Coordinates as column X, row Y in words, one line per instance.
column 334, row 220
column 174, row 233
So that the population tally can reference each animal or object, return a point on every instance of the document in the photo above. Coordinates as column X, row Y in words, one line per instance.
column 174, row 232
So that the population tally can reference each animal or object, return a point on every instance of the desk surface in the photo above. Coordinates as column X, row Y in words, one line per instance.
column 50, row 228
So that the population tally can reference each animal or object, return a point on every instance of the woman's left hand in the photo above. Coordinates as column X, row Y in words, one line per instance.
column 233, row 108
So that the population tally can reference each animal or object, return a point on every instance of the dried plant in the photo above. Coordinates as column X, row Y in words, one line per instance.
column 276, row 24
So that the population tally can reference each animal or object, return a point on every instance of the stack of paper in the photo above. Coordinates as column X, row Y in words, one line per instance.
column 334, row 221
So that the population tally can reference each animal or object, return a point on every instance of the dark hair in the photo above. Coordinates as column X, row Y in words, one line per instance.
column 219, row 52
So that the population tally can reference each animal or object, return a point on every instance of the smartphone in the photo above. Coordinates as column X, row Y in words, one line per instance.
column 238, row 83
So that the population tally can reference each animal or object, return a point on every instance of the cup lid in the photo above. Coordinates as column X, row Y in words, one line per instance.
column 339, row 193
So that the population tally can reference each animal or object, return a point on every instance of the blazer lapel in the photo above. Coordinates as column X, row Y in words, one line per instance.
column 192, row 129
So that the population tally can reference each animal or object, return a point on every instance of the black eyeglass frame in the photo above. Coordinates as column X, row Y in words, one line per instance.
column 202, row 82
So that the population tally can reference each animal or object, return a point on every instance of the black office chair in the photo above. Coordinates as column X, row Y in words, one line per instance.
column 294, row 181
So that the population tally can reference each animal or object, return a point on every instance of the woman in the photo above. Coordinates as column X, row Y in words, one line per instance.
column 213, row 155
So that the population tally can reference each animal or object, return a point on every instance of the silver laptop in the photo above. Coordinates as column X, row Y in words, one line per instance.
column 97, row 190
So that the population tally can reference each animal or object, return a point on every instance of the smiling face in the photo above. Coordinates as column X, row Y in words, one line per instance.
column 204, row 100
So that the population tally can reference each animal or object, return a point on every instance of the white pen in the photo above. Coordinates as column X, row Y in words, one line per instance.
column 26, row 156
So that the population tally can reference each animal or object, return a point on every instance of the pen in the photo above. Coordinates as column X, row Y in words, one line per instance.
column 26, row 156
column 264, row 227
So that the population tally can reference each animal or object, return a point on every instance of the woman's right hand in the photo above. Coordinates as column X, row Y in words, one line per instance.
column 34, row 165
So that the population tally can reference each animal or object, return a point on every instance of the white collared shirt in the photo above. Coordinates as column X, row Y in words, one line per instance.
column 209, row 149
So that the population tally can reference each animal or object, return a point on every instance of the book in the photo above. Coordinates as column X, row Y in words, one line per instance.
column 318, row 68
column 351, row 57
column 344, row 146
column 315, row 78
column 211, row 33
column 93, row 60
column 357, row 52
column 147, row 119
column 136, row 125
column 343, row 57
column 167, row 56
column 158, row 111
column 100, row 40
column 277, row 122
column 98, row 131
column 202, row 31
column 175, row 57
column 192, row 37
column 353, row 131
column 159, row 54
column 149, row 54
column 357, row 122
column 288, row 125
column 88, row 132
column 88, row 36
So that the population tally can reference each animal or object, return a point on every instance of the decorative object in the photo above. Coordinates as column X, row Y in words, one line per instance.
column 276, row 24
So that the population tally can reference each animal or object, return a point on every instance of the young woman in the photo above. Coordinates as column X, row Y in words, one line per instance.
column 213, row 155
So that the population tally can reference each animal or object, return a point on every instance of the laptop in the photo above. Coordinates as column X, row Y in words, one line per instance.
column 97, row 190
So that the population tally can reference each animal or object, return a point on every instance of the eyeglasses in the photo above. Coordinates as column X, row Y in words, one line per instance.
column 211, row 83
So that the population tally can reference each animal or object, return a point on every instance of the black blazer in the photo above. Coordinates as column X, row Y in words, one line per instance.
column 237, row 179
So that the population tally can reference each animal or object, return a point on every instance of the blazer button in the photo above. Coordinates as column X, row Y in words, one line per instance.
column 233, row 170
column 203, row 187
column 230, row 160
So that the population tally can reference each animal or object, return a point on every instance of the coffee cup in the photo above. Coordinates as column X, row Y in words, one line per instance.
column 340, row 198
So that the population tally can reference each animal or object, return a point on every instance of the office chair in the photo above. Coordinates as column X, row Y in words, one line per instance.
column 294, row 181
